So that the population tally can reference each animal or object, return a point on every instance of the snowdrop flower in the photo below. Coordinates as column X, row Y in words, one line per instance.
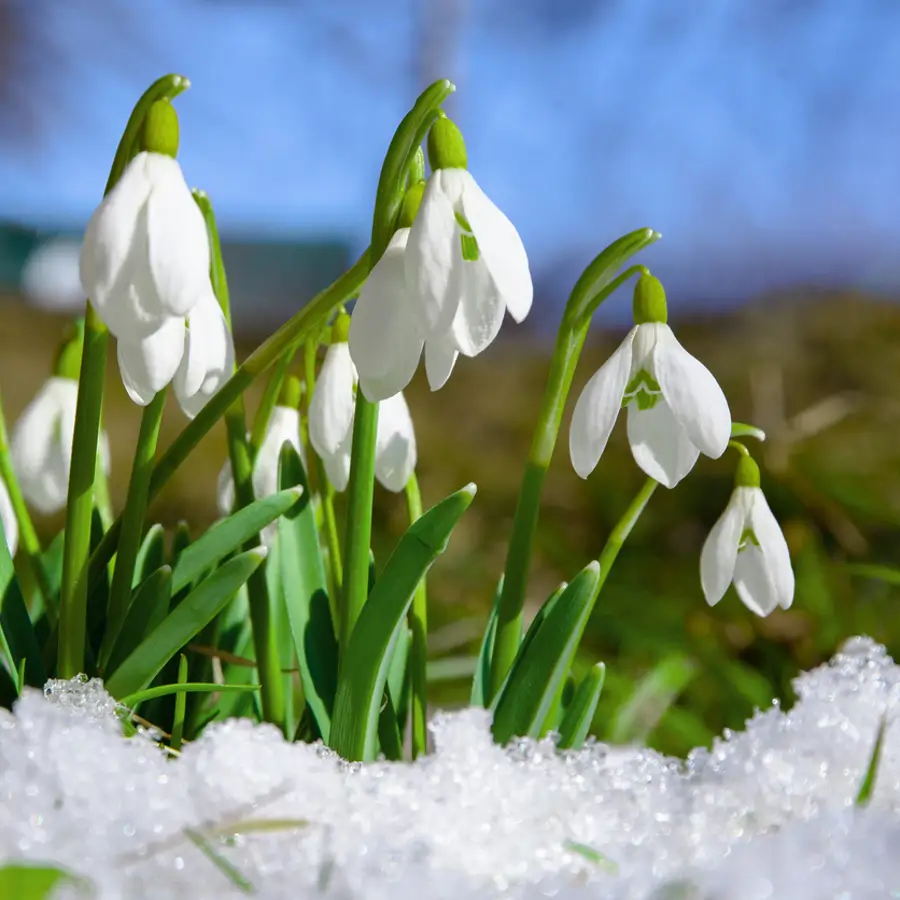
column 331, row 415
column 465, row 263
column 676, row 409
column 41, row 445
column 8, row 520
column 145, row 256
column 386, row 339
column 746, row 546
column 196, row 355
column 283, row 428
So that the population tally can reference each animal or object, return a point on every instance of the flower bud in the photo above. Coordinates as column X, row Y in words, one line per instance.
column 446, row 146
column 159, row 131
column 411, row 202
column 340, row 330
column 649, row 301
column 747, row 474
column 291, row 391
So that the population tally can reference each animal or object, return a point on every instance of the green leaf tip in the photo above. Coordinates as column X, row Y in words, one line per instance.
column 740, row 430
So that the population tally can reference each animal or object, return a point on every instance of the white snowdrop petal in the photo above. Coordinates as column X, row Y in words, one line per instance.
column 333, row 402
column 284, row 428
column 432, row 259
column 208, row 360
column 337, row 464
column 480, row 312
column 177, row 241
column 693, row 394
column 720, row 550
column 440, row 358
column 8, row 520
column 385, row 342
column 774, row 548
column 753, row 581
column 659, row 444
column 598, row 408
column 110, row 232
column 147, row 366
column 395, row 444
column 500, row 249
column 33, row 434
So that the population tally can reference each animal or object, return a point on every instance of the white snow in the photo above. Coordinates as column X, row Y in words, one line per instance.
column 768, row 813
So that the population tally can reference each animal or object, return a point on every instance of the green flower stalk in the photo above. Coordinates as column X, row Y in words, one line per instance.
column 417, row 617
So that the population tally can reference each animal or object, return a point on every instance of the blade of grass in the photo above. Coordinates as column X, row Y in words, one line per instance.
column 180, row 705
column 577, row 720
column 219, row 861
column 187, row 687
column 868, row 785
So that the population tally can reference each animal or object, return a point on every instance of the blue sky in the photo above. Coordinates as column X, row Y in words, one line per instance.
column 762, row 139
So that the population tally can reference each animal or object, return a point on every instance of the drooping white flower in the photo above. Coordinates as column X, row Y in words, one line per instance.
column 196, row 356
column 283, row 428
column 145, row 256
column 465, row 263
column 41, row 445
column 8, row 520
column 747, row 547
column 331, row 414
column 676, row 409
column 386, row 338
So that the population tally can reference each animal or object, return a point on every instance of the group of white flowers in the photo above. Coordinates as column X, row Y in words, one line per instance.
column 450, row 273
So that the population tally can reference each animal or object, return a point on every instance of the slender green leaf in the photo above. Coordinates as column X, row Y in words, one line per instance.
column 564, row 696
column 204, row 845
column 483, row 669
column 389, row 729
column 577, row 720
column 868, row 785
column 541, row 667
column 364, row 672
column 21, row 640
column 397, row 669
column 226, row 536
column 452, row 668
column 654, row 694
column 147, row 611
column 887, row 574
column 180, row 705
column 585, row 851
column 200, row 607
column 151, row 555
column 183, row 687
column 306, row 596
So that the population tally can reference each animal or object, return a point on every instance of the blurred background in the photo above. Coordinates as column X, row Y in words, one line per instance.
column 760, row 138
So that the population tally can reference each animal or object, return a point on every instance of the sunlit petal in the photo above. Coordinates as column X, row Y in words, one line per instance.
column 659, row 444
column 720, row 550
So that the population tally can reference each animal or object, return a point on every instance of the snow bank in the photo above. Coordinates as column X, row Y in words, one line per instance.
column 767, row 813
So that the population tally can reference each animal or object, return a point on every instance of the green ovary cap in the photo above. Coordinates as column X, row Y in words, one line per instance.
column 159, row 131
column 747, row 474
column 68, row 357
column 649, row 301
column 446, row 146
column 340, row 330
column 411, row 202
column 291, row 391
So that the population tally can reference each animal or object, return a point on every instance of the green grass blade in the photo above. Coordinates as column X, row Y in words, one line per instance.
column 219, row 861
column 364, row 672
column 389, row 738
column 306, row 596
column 151, row 555
column 654, row 694
column 577, row 720
column 887, row 574
column 199, row 608
column 482, row 677
column 226, row 536
column 186, row 687
column 868, row 785
column 585, row 851
column 180, row 705
column 149, row 608
column 540, row 669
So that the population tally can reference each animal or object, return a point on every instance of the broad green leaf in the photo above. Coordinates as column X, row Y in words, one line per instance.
column 361, row 684
column 654, row 694
column 226, row 536
column 31, row 881
column 189, row 687
column 483, row 669
column 151, row 555
column 148, row 609
column 544, row 660
column 199, row 608
column 564, row 697
column 306, row 596
column 577, row 720
column 868, row 785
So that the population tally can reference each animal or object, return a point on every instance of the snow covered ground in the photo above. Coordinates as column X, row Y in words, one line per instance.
column 768, row 813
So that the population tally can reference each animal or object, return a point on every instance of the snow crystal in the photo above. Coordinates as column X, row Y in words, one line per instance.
column 768, row 813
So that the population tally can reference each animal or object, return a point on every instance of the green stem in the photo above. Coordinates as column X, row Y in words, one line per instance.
column 262, row 618
column 418, row 652
column 593, row 287
column 101, row 493
column 622, row 529
column 133, row 518
column 29, row 543
column 360, row 494
column 269, row 401
column 291, row 334
column 74, row 591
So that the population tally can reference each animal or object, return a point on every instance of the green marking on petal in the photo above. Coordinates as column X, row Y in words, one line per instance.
column 644, row 389
column 469, row 248
column 748, row 538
